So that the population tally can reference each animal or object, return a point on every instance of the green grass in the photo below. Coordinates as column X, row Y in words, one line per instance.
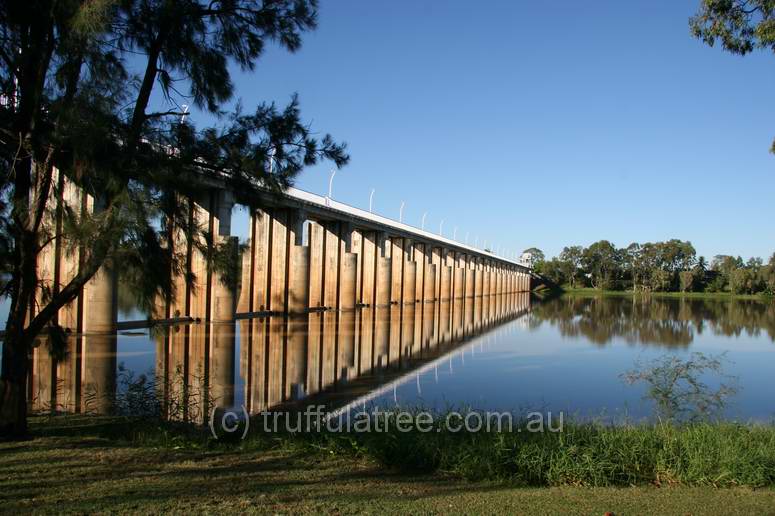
column 108, row 465
column 698, row 454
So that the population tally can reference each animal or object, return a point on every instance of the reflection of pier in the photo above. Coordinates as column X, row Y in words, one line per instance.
column 325, row 357
column 334, row 358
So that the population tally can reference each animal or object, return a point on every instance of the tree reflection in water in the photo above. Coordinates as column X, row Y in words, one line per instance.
column 648, row 320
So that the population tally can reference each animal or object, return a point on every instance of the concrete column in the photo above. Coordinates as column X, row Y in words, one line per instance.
column 469, row 271
column 444, row 290
column 278, row 255
column 436, row 261
column 429, row 294
column 94, row 310
column 420, row 270
column 223, row 290
column 486, row 277
column 348, row 267
column 331, row 265
column 316, row 252
column 383, row 271
column 409, row 281
column 254, row 265
column 298, row 261
column 368, row 269
column 356, row 244
column 397, row 270
column 458, row 262
column 347, row 281
column 100, row 302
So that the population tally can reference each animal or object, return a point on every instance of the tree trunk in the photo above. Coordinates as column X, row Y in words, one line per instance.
column 13, row 388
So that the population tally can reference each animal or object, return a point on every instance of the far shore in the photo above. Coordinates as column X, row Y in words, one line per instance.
column 691, row 295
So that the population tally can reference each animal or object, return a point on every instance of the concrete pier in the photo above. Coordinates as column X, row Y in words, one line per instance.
column 353, row 258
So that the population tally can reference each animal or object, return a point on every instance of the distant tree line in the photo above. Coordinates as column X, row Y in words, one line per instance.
column 671, row 266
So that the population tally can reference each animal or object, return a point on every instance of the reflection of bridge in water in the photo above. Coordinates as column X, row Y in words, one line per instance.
column 328, row 357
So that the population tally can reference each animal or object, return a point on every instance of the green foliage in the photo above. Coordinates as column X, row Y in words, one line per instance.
column 92, row 98
column 740, row 25
column 669, row 266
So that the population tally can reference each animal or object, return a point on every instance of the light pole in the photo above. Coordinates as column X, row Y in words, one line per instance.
column 441, row 225
column 422, row 224
column 454, row 233
column 330, row 184
column 371, row 198
column 401, row 212
column 466, row 237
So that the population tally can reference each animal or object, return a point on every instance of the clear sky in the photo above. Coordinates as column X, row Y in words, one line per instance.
column 538, row 123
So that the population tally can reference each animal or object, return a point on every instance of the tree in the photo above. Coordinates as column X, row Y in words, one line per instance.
column 553, row 270
column 603, row 262
column 570, row 262
column 536, row 255
column 740, row 25
column 77, row 82
column 702, row 265
column 769, row 276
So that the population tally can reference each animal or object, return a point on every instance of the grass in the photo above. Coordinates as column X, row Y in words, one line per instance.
column 106, row 465
column 590, row 454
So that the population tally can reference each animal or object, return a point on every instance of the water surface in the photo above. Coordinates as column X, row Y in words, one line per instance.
column 493, row 353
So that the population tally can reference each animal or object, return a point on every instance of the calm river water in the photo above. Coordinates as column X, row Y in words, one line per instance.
column 499, row 353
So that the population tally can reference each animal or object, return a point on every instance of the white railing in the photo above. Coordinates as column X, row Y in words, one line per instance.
column 328, row 203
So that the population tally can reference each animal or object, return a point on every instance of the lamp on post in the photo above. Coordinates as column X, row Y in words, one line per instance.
column 330, row 186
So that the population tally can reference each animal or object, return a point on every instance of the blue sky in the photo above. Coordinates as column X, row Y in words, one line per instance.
column 537, row 123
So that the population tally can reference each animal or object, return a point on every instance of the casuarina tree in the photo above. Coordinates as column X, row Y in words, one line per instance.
column 93, row 91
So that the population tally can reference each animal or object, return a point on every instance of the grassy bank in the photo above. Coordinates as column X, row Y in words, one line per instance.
column 688, row 295
column 92, row 465
column 713, row 454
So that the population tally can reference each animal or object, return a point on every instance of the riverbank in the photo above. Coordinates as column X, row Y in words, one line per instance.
column 687, row 295
column 79, row 464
